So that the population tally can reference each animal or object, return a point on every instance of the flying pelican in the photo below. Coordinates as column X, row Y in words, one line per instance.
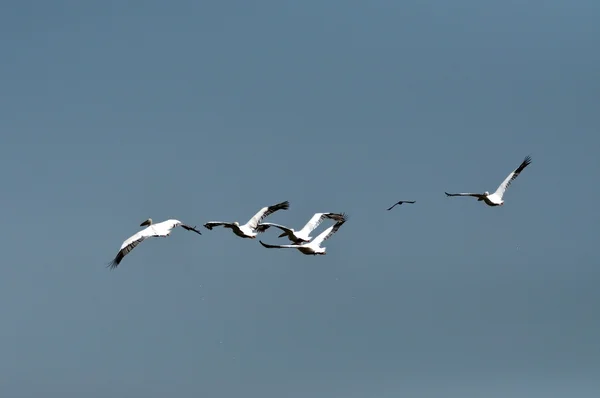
column 400, row 202
column 162, row 229
column 303, row 234
column 252, row 227
column 495, row 199
column 313, row 247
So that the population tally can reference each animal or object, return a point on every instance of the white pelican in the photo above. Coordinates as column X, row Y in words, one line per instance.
column 303, row 234
column 313, row 247
column 400, row 203
column 162, row 229
column 495, row 199
column 252, row 227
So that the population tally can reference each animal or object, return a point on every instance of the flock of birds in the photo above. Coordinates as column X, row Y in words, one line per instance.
column 301, row 239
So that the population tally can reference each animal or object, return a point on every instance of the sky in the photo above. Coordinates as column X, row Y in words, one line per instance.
column 112, row 112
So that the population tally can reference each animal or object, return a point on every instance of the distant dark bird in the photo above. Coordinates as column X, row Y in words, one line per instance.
column 314, row 246
column 303, row 235
column 252, row 227
column 162, row 229
column 495, row 199
column 400, row 202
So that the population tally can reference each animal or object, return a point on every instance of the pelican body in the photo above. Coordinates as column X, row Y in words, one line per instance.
column 253, row 227
column 161, row 229
column 314, row 246
column 497, row 198
column 303, row 235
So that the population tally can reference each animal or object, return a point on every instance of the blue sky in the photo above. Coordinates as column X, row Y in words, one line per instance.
column 113, row 112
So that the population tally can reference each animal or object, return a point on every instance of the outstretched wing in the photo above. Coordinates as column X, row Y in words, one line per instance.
column 475, row 195
column 188, row 228
column 337, row 216
column 400, row 203
column 260, row 228
column 265, row 212
column 266, row 225
column 211, row 224
column 268, row 246
column 328, row 233
column 315, row 221
column 511, row 177
column 129, row 245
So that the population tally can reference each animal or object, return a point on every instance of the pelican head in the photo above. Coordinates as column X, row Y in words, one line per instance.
column 237, row 224
column 486, row 193
column 147, row 222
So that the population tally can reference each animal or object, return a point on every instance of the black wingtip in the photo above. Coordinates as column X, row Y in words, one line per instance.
column 196, row 230
column 207, row 226
column 343, row 218
column 447, row 194
column 334, row 216
column 283, row 205
column 262, row 228
column 113, row 264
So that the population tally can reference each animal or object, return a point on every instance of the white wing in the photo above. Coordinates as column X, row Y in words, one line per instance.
column 316, row 220
column 328, row 232
column 164, row 228
column 268, row 246
column 131, row 244
column 266, row 211
column 511, row 177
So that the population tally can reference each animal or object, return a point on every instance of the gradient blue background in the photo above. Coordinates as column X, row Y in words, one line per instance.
column 113, row 112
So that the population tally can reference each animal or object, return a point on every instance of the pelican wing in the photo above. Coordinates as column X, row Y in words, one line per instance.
column 188, row 228
column 268, row 246
column 270, row 224
column 131, row 244
column 475, row 195
column 211, row 224
column 328, row 233
column 265, row 212
column 260, row 228
column 400, row 203
column 511, row 177
column 314, row 222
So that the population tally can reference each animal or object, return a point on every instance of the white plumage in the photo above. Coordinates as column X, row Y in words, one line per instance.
column 162, row 229
column 252, row 227
column 303, row 235
column 496, row 199
column 314, row 246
